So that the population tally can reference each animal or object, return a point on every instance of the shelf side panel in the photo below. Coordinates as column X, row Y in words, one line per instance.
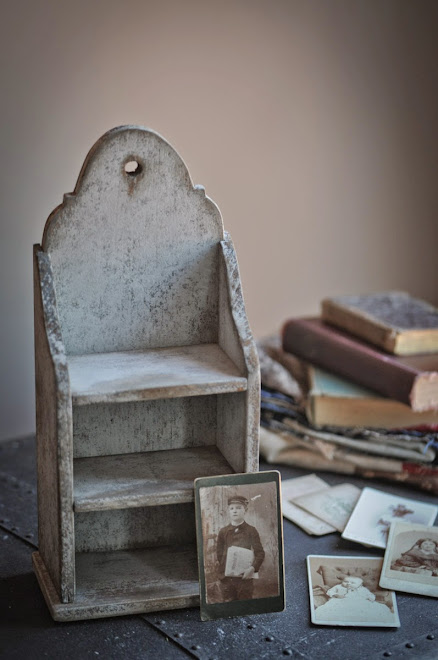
column 235, row 338
column 231, row 422
column 53, row 435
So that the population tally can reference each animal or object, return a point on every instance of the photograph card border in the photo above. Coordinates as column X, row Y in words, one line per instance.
column 348, row 624
column 399, row 580
column 211, row 611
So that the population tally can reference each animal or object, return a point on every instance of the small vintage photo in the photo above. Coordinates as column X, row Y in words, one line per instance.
column 333, row 505
column 375, row 511
column 293, row 488
column 240, row 544
column 411, row 559
column 345, row 591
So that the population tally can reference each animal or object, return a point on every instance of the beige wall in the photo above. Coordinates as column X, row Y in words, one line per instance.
column 312, row 124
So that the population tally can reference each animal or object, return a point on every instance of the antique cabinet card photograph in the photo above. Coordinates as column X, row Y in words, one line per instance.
column 333, row 505
column 240, row 544
column 345, row 591
column 411, row 559
column 293, row 488
column 375, row 511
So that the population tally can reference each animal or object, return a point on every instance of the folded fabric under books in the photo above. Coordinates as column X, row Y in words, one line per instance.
column 288, row 435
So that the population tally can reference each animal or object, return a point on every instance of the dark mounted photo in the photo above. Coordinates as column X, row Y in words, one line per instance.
column 240, row 544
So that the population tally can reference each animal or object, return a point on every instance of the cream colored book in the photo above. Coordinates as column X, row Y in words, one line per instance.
column 335, row 401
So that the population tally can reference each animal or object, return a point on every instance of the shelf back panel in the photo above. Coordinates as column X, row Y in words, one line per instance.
column 128, row 529
column 139, row 426
column 135, row 253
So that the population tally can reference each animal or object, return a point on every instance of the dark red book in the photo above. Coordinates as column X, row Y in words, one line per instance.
column 410, row 379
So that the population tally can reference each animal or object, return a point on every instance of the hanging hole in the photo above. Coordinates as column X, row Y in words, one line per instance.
column 132, row 167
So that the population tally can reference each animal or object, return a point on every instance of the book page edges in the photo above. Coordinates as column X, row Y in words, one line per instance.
column 412, row 342
column 325, row 410
column 423, row 395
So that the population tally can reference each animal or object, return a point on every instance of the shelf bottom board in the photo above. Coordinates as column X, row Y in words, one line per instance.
column 125, row 582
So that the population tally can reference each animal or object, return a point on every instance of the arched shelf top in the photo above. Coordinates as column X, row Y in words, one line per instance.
column 122, row 166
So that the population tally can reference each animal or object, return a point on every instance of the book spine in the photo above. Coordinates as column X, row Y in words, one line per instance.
column 350, row 358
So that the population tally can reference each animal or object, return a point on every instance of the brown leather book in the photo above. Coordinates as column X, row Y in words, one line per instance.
column 410, row 379
column 392, row 320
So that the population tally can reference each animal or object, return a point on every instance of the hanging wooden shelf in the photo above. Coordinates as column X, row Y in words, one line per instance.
column 146, row 378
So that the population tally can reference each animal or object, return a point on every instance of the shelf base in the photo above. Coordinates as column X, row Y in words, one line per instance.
column 125, row 582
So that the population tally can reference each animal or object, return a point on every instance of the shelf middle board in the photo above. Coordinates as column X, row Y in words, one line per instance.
column 143, row 479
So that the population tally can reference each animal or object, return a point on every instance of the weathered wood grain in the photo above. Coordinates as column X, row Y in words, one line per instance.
column 153, row 374
column 135, row 257
column 233, row 320
column 145, row 581
column 147, row 374
column 143, row 479
column 134, row 528
column 139, row 426
column 53, row 434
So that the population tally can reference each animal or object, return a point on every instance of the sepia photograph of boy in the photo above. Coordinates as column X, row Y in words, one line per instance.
column 239, row 543
column 236, row 579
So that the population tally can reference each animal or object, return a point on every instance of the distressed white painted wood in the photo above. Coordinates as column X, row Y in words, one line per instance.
column 144, row 479
column 135, row 528
column 139, row 426
column 171, row 566
column 153, row 374
column 135, row 256
column 147, row 377
column 53, row 435
column 238, row 418
column 146, row 581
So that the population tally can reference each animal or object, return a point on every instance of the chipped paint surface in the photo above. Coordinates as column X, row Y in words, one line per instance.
column 238, row 337
column 54, row 434
column 142, row 345
column 135, row 256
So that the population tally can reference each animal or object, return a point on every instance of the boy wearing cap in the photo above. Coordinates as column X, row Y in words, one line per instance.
column 238, row 533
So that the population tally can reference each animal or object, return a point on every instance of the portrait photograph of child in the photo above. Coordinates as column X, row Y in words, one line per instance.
column 411, row 559
column 240, row 548
column 344, row 591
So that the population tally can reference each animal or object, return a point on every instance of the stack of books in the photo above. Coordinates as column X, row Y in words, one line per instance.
column 364, row 396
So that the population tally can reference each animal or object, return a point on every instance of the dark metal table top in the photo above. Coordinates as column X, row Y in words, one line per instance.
column 29, row 631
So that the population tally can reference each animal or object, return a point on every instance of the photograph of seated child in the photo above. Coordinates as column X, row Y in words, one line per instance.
column 240, row 540
column 349, row 600
column 421, row 558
